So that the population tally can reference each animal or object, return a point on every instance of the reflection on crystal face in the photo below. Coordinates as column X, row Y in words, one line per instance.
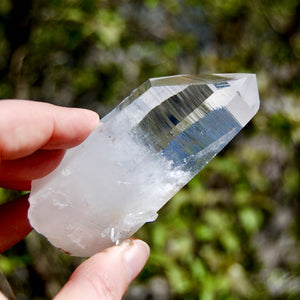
column 138, row 157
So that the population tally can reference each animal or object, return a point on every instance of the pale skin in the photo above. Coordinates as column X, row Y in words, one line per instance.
column 33, row 139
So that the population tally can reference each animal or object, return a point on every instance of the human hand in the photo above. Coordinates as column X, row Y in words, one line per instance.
column 33, row 140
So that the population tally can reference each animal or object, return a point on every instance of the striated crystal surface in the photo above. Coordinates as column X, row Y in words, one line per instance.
column 139, row 156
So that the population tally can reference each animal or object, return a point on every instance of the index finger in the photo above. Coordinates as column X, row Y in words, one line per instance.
column 27, row 126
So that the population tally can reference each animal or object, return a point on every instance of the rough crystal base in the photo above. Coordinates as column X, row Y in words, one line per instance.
column 138, row 157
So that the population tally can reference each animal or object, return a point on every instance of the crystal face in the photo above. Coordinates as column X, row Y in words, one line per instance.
column 139, row 156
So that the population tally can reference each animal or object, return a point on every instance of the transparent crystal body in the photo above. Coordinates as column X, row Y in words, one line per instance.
column 139, row 156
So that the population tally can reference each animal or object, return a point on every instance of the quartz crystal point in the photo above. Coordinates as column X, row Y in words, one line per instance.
column 139, row 156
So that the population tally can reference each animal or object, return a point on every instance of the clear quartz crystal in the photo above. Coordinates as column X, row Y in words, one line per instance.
column 139, row 156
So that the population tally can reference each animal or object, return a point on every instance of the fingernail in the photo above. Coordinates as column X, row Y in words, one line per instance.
column 136, row 256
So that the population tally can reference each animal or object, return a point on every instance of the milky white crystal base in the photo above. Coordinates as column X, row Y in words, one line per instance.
column 92, row 205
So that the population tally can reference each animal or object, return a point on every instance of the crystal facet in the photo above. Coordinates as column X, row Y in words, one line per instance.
column 139, row 156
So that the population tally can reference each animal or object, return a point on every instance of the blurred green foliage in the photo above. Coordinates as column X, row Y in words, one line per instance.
column 233, row 231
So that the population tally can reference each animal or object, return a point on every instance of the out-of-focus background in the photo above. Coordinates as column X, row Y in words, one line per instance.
column 233, row 231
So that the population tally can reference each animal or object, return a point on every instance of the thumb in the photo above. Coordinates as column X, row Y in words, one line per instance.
column 106, row 275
